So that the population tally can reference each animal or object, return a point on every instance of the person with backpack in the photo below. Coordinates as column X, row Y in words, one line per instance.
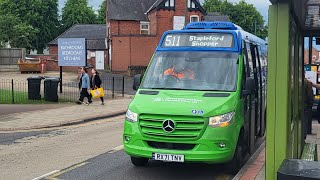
column 84, row 86
column 96, row 82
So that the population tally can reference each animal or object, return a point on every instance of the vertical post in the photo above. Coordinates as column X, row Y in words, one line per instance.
column 186, row 13
column 310, row 50
column 122, row 86
column 12, row 90
column 60, row 79
column 278, row 98
column 86, row 53
column 112, row 87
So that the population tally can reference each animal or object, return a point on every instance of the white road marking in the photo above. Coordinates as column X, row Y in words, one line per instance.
column 119, row 148
column 58, row 172
column 46, row 175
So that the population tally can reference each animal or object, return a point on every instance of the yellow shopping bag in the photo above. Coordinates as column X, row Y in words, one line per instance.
column 97, row 93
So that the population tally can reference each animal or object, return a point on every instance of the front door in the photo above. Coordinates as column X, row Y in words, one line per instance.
column 100, row 60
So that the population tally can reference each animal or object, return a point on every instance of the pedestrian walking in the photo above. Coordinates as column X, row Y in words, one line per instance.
column 308, row 103
column 96, row 82
column 84, row 86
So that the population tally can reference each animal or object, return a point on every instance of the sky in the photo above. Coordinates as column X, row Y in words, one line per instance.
column 261, row 5
column 94, row 3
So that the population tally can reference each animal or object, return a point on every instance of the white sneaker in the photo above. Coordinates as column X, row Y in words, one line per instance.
column 86, row 103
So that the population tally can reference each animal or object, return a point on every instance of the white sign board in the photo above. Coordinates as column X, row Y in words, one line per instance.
column 312, row 77
column 178, row 22
column 72, row 52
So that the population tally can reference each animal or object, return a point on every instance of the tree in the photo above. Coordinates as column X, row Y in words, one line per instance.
column 242, row 14
column 32, row 16
column 77, row 12
column 16, row 33
column 102, row 13
column 47, row 23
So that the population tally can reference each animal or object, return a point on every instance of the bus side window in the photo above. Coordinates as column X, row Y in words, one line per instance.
column 250, row 62
column 245, row 64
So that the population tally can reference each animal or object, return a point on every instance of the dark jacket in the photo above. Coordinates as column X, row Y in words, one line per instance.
column 308, row 92
column 80, row 81
column 96, row 81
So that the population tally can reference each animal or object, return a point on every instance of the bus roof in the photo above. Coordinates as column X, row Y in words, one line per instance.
column 212, row 27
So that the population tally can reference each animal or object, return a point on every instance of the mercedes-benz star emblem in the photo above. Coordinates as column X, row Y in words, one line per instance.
column 168, row 126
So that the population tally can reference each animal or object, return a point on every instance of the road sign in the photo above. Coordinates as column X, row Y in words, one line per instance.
column 72, row 51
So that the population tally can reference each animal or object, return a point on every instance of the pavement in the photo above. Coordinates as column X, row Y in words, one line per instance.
column 63, row 116
column 255, row 167
column 6, row 109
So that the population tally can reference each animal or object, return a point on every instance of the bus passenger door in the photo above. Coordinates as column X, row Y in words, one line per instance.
column 258, row 93
column 262, row 92
column 252, row 99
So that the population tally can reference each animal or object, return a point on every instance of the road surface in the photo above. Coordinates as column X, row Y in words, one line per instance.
column 89, row 151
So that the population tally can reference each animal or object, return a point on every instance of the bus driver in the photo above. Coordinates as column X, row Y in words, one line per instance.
column 180, row 72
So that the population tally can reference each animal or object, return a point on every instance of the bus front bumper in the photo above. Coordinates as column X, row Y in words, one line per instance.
column 214, row 146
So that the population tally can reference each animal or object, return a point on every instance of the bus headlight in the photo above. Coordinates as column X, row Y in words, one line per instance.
column 222, row 120
column 131, row 116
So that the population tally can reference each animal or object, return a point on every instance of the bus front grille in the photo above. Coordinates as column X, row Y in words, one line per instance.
column 170, row 146
column 185, row 127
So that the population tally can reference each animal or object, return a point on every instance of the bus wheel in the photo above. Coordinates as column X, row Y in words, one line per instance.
column 238, row 158
column 139, row 162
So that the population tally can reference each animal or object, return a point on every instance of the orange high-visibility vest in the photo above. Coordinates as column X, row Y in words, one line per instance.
column 180, row 75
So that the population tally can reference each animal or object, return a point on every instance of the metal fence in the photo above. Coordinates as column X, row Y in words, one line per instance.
column 30, row 92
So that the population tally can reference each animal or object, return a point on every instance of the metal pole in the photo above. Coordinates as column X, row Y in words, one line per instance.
column 310, row 50
column 123, row 86
column 86, row 53
column 186, row 13
column 60, row 79
column 112, row 87
column 12, row 89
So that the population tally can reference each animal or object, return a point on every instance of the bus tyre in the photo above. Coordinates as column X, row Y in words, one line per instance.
column 237, row 160
column 139, row 162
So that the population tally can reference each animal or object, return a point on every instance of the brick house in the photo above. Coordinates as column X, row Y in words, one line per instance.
column 315, row 56
column 134, row 27
column 97, row 52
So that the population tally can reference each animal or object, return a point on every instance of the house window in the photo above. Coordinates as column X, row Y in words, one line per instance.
column 194, row 18
column 191, row 4
column 144, row 28
column 169, row 3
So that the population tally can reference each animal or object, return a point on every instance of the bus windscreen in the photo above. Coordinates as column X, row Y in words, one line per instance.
column 201, row 40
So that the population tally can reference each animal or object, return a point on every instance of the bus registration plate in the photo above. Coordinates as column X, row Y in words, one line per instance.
column 168, row 157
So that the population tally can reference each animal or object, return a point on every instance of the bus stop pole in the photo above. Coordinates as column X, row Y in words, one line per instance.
column 60, row 79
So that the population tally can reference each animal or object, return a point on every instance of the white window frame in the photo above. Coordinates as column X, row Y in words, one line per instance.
column 169, row 3
column 172, row 3
column 191, row 4
column 141, row 29
column 192, row 16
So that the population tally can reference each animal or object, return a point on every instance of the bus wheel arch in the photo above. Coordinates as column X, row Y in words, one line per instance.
column 239, row 154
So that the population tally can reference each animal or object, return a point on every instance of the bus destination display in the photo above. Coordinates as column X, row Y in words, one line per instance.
column 218, row 40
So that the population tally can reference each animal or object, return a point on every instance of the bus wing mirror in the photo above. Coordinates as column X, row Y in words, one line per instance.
column 136, row 82
column 249, row 87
